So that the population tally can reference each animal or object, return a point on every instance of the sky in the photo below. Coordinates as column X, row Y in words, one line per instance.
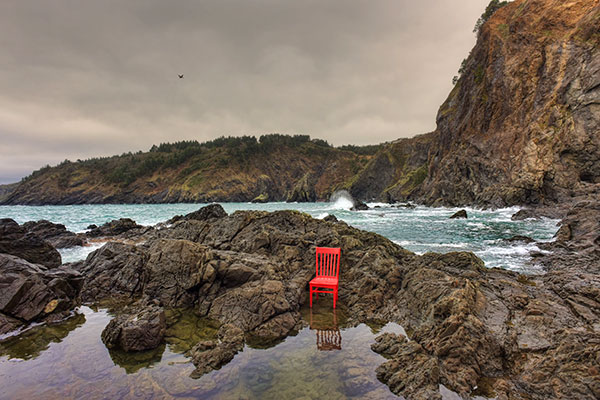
column 86, row 78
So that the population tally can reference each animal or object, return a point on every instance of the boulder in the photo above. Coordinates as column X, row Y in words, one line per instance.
column 114, row 227
column 359, row 206
column 31, row 292
column 459, row 214
column 209, row 212
column 15, row 240
column 55, row 234
column 136, row 330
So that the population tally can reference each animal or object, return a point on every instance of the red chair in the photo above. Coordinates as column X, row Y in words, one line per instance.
column 328, row 272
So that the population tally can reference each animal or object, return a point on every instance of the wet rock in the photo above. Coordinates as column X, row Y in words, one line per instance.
column 31, row 292
column 459, row 214
column 211, row 355
column 520, row 238
column 526, row 213
column 15, row 240
column 330, row 218
column 359, row 206
column 114, row 227
column 136, row 330
column 55, row 234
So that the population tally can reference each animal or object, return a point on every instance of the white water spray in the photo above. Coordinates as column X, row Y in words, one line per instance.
column 342, row 200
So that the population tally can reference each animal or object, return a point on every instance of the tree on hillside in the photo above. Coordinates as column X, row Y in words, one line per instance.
column 491, row 8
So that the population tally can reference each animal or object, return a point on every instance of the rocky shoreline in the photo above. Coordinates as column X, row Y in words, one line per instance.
column 534, row 336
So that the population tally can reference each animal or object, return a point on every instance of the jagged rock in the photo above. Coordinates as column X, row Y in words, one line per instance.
column 330, row 218
column 55, row 234
column 15, row 240
column 359, row 206
column 208, row 355
column 459, row 214
column 114, row 227
column 211, row 211
column 136, row 330
column 31, row 292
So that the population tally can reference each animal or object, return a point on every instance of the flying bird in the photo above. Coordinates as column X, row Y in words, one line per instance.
column 180, row 76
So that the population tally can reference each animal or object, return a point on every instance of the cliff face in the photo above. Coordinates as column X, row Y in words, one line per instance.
column 522, row 125
column 238, row 170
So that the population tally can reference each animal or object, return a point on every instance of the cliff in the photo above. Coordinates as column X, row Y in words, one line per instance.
column 521, row 126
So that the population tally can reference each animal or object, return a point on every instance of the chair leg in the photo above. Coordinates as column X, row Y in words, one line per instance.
column 311, row 293
column 334, row 297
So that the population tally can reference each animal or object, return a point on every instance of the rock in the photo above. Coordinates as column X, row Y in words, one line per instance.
column 114, row 227
column 208, row 355
column 15, row 240
column 520, row 238
column 211, row 211
column 92, row 226
column 250, row 271
column 330, row 218
column 359, row 206
column 55, row 234
column 526, row 213
column 459, row 214
column 303, row 191
column 136, row 330
column 31, row 292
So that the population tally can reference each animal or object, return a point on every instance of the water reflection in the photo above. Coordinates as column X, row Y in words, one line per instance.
column 328, row 333
column 31, row 343
column 132, row 362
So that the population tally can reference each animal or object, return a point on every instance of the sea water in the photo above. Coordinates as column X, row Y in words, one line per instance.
column 419, row 229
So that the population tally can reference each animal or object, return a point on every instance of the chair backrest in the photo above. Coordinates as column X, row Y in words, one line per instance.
column 328, row 261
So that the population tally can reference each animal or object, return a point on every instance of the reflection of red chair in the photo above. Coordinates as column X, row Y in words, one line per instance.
column 329, row 336
column 328, row 272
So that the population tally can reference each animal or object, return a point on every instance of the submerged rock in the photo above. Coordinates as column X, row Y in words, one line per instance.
column 459, row 214
column 210, row 355
column 136, row 330
column 16, row 240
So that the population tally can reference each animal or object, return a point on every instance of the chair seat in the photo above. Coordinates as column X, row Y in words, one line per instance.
column 324, row 281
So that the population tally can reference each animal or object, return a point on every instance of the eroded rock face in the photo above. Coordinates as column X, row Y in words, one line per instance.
column 31, row 292
column 16, row 240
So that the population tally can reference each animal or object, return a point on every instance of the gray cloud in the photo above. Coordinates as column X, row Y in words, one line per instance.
column 89, row 78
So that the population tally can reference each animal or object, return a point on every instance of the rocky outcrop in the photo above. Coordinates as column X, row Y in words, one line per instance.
column 395, row 172
column 55, row 234
column 467, row 323
column 31, row 292
column 520, row 126
column 459, row 214
column 136, row 330
column 114, row 227
column 16, row 240
column 303, row 191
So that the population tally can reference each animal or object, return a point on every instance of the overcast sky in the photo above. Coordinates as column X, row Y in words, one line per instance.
column 91, row 78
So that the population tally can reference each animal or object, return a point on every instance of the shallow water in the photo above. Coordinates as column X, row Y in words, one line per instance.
column 420, row 230
column 69, row 360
